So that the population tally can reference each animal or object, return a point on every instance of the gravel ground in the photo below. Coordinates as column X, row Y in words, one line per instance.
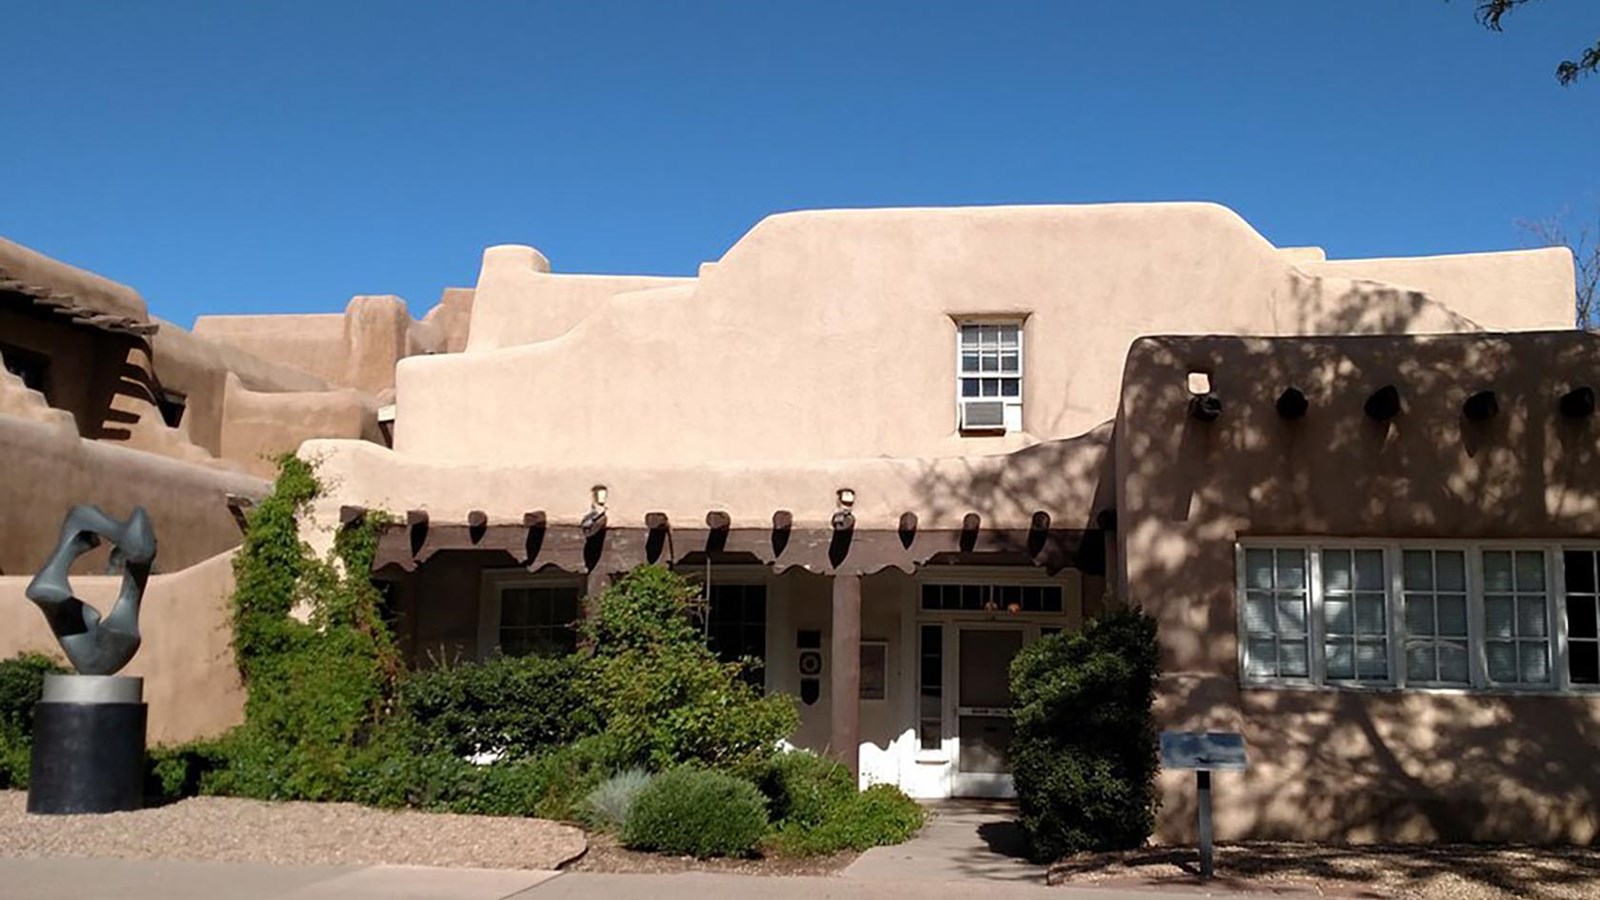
column 226, row 829
column 1457, row 872
column 605, row 855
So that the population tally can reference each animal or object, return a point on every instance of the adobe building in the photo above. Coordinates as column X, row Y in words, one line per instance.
column 894, row 446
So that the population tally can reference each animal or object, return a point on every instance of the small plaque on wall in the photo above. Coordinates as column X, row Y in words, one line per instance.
column 874, row 670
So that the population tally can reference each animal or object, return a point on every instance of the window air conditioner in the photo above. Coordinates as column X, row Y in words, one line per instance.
column 983, row 415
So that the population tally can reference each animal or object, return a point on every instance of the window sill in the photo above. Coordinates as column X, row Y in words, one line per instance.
column 932, row 758
column 982, row 432
column 1434, row 690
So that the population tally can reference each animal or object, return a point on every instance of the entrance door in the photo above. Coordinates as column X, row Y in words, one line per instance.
column 983, row 710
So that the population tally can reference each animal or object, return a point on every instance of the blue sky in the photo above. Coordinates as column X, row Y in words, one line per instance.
column 283, row 156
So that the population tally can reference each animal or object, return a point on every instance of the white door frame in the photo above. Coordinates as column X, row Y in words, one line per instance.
column 973, row 784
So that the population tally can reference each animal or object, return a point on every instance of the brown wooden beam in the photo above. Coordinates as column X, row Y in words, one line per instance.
column 415, row 517
column 656, row 521
column 535, row 519
column 477, row 518
column 844, row 737
column 782, row 520
column 350, row 516
column 717, row 520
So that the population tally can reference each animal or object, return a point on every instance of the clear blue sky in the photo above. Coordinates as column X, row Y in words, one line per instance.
column 283, row 156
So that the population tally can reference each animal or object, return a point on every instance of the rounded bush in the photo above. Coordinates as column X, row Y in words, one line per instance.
column 694, row 812
column 878, row 816
column 514, row 706
column 801, row 786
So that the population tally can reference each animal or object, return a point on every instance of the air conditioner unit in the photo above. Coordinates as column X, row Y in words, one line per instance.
column 983, row 415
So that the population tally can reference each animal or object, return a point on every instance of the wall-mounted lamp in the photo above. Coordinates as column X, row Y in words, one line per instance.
column 1204, row 404
column 846, row 497
column 597, row 496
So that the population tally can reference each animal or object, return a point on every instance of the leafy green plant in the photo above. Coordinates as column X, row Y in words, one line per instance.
column 696, row 812
column 183, row 770
column 801, row 787
column 21, row 684
column 661, row 694
column 514, row 706
column 319, row 689
column 608, row 805
column 879, row 816
column 1083, row 753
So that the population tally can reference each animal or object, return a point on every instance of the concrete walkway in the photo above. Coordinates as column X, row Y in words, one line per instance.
column 116, row 879
column 963, row 840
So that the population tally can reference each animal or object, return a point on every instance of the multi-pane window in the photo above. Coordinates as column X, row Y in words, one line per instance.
column 539, row 620
column 736, row 625
column 1516, row 617
column 1027, row 598
column 1456, row 615
column 1436, row 632
column 930, row 688
column 1581, row 580
column 989, row 375
column 1275, row 613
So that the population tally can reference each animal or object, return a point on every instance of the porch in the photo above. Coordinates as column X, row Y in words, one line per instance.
column 917, row 627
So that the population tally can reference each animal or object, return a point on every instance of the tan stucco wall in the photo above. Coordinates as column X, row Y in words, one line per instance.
column 49, row 468
column 258, row 426
column 829, row 335
column 1516, row 290
column 186, row 659
column 1346, row 765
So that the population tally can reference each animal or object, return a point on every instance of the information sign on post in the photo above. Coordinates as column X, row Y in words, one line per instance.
column 1204, row 752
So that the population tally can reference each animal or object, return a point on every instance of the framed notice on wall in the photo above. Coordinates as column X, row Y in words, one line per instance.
column 874, row 670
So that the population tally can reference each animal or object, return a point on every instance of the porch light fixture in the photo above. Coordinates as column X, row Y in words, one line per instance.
column 846, row 497
column 597, row 496
column 843, row 518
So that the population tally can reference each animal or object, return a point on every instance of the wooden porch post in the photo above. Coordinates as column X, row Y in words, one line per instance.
column 845, row 671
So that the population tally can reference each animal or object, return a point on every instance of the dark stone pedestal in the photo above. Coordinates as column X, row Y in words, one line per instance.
column 88, row 748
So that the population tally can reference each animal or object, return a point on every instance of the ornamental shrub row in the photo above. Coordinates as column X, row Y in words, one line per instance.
column 21, row 684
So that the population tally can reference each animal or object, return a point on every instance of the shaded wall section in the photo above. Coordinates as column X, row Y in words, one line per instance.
column 186, row 659
column 1357, row 765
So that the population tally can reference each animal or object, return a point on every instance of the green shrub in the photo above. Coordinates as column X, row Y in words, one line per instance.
column 184, row 770
column 21, row 684
column 552, row 785
column 608, row 805
column 1083, row 755
column 319, row 690
column 879, row 816
column 517, row 706
column 695, row 812
column 390, row 775
column 801, row 786
column 661, row 694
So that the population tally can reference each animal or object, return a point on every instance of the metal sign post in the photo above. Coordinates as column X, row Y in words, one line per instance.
column 1204, row 752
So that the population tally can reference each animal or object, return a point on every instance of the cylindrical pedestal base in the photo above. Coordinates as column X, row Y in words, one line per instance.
column 88, row 745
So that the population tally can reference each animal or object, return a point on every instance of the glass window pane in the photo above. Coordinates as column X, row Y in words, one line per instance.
column 969, row 362
column 1417, row 566
column 1499, row 617
column 1453, row 663
column 1261, row 657
column 1502, row 661
column 1370, row 618
column 969, row 335
column 969, row 387
column 1421, row 662
column 1535, row 660
column 1372, row 660
column 1010, row 362
column 1369, row 570
column 1341, row 659
column 1453, row 615
column 1419, row 614
column 989, row 363
column 1530, row 570
column 1292, row 659
column 1258, row 569
column 988, row 336
column 1497, row 571
column 1579, row 566
column 991, row 387
column 1581, row 617
column 1051, row 602
column 1291, row 570
column 1010, row 335
column 1010, row 387
column 1336, row 612
column 1451, row 566
column 1336, row 574
column 930, row 596
column 1583, row 662
column 1292, row 616
column 1531, row 619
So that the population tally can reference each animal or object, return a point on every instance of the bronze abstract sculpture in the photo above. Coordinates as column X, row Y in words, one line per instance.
column 96, row 645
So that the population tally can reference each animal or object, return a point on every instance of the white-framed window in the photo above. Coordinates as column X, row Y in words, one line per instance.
column 1488, row 615
column 989, row 375
column 522, row 614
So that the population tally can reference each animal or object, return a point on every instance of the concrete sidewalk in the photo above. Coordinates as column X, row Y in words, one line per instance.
column 964, row 840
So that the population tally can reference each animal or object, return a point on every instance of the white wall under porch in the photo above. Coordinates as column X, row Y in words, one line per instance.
column 891, row 748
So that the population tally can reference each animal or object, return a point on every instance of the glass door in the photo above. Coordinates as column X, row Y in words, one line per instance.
column 983, row 708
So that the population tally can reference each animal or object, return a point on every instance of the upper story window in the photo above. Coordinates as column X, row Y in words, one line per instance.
column 1491, row 616
column 989, row 376
column 33, row 368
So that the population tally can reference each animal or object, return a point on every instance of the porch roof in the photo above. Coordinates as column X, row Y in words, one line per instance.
column 81, row 296
column 600, row 546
